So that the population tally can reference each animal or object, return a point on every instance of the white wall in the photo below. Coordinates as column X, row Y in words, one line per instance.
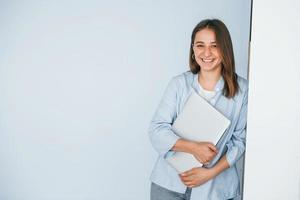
column 79, row 83
column 272, row 170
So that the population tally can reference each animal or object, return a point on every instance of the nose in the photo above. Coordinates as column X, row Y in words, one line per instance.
column 207, row 51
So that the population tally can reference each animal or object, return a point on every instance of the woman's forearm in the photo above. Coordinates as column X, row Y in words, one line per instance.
column 221, row 165
column 183, row 146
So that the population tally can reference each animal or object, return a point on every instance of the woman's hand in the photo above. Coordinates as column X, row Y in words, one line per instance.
column 196, row 176
column 204, row 152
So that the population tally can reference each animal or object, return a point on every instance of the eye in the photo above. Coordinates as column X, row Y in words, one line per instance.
column 198, row 46
column 214, row 46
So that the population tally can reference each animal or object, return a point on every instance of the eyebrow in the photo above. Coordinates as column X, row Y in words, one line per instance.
column 203, row 42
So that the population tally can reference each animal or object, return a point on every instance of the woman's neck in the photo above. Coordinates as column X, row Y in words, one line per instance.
column 208, row 80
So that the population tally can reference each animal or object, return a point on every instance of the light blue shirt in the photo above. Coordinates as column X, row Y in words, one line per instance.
column 226, row 184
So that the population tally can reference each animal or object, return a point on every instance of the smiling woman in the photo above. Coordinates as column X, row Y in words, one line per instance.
column 206, row 51
column 212, row 75
column 211, row 48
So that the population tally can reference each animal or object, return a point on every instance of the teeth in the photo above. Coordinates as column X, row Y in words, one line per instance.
column 207, row 60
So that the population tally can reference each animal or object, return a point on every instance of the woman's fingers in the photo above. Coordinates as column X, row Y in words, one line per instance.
column 187, row 173
column 186, row 178
column 205, row 152
column 189, row 183
column 213, row 147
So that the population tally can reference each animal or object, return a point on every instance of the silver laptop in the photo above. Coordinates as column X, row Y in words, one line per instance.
column 198, row 121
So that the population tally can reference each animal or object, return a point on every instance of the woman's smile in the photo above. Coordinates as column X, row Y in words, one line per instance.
column 206, row 60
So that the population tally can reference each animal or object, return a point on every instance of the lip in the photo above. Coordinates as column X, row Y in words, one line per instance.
column 206, row 60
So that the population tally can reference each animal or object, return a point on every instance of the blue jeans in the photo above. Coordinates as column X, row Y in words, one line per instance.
column 160, row 193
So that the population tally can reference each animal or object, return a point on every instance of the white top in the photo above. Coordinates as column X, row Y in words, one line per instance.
column 206, row 94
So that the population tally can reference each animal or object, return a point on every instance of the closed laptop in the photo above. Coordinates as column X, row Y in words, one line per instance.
column 199, row 121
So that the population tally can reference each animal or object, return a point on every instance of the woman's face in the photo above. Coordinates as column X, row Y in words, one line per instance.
column 207, row 51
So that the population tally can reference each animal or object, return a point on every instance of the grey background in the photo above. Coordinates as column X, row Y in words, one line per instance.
column 79, row 83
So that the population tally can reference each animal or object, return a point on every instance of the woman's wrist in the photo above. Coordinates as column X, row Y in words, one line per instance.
column 184, row 146
column 212, row 172
column 221, row 165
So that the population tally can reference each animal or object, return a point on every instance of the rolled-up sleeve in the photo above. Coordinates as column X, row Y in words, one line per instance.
column 236, row 145
column 160, row 133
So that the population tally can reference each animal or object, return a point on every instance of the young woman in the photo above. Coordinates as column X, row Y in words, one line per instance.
column 212, row 75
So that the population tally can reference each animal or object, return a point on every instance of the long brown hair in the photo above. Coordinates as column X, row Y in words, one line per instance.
column 224, row 42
